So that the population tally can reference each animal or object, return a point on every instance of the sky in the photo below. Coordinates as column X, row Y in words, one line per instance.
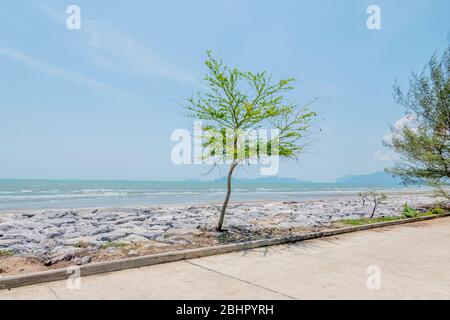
column 101, row 102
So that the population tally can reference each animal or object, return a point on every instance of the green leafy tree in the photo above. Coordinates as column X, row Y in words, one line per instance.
column 238, row 102
column 424, row 144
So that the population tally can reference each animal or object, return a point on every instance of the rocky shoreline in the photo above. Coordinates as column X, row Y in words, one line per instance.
column 53, row 236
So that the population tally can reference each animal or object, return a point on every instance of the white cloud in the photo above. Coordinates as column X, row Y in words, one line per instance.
column 382, row 156
column 407, row 121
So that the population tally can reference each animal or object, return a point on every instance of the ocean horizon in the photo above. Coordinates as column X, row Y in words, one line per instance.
column 43, row 194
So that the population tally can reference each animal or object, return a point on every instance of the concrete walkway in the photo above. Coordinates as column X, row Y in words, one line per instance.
column 412, row 261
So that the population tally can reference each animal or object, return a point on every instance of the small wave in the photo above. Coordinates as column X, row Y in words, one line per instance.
column 94, row 190
column 7, row 192
column 59, row 196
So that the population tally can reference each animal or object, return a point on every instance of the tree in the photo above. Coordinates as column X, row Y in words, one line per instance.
column 237, row 103
column 375, row 198
column 424, row 143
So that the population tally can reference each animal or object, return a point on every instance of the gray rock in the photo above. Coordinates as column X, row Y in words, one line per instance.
column 5, row 226
column 111, row 250
column 86, row 260
column 28, row 214
column 123, row 221
column 133, row 238
column 52, row 233
column 108, row 217
column 33, row 237
column 182, row 231
column 60, row 254
column 150, row 235
column 40, row 253
column 158, row 227
column 42, row 232
column 132, row 253
column 179, row 241
column 112, row 236
column 89, row 241
column 8, row 243
column 61, row 222
column 100, row 230
column 49, row 244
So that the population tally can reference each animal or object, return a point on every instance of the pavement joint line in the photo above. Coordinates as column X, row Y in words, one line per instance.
column 422, row 280
column 241, row 280
column 54, row 293
column 330, row 241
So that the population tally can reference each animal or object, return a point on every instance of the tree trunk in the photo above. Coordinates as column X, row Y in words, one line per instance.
column 227, row 197
column 373, row 211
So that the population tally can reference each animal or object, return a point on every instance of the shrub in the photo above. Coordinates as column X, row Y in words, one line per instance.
column 113, row 245
column 6, row 253
column 437, row 210
column 409, row 212
column 363, row 221
column 81, row 244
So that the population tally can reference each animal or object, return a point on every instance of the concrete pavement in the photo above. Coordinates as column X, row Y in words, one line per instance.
column 410, row 261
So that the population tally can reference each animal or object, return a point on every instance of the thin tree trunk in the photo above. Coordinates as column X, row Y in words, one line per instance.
column 227, row 197
column 373, row 211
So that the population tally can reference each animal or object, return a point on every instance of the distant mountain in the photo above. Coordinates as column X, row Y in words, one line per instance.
column 374, row 178
column 377, row 178
column 267, row 180
column 263, row 180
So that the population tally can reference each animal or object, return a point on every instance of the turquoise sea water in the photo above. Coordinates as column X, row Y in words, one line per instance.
column 35, row 194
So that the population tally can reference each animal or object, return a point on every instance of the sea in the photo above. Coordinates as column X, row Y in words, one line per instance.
column 43, row 194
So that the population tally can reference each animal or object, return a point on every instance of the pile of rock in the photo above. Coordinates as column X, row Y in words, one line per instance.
column 57, row 235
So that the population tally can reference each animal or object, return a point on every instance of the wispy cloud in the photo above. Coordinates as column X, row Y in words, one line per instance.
column 113, row 50
column 383, row 156
column 117, row 51
column 52, row 70
column 59, row 72
column 54, row 14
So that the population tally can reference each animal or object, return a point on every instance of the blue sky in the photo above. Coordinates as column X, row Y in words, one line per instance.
column 101, row 102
